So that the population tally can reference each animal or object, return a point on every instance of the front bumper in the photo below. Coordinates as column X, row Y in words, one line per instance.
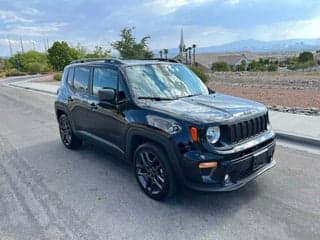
column 234, row 169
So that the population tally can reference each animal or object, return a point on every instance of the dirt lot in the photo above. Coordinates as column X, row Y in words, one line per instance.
column 292, row 89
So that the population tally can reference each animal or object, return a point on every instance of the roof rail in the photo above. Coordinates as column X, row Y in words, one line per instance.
column 113, row 60
column 83, row 60
column 106, row 60
column 164, row 60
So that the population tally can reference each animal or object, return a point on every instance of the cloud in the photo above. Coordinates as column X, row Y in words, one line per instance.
column 34, row 30
column 12, row 17
column 164, row 7
column 31, row 12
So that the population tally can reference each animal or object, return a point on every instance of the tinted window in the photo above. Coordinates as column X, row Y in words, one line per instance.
column 104, row 78
column 81, row 79
column 64, row 75
column 70, row 76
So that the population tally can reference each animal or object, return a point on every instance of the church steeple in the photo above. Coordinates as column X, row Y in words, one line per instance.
column 182, row 46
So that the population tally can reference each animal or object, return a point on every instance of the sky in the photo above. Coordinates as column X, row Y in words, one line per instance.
column 205, row 22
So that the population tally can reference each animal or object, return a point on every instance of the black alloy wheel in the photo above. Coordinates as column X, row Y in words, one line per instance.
column 153, row 172
column 67, row 136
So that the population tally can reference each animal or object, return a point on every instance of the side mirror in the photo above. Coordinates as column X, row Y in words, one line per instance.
column 106, row 94
column 211, row 91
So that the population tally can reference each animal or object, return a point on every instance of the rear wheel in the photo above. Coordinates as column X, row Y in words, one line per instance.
column 153, row 172
column 68, row 138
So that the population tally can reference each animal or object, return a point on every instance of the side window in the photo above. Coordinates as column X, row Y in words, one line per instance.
column 64, row 75
column 81, row 79
column 104, row 78
column 70, row 76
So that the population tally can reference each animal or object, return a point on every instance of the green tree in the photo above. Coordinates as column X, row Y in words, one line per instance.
column 98, row 52
column 60, row 55
column 129, row 48
column 305, row 57
column 220, row 67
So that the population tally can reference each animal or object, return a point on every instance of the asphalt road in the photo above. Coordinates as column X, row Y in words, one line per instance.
column 49, row 192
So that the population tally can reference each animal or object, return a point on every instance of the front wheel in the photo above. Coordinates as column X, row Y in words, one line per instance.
column 68, row 138
column 153, row 172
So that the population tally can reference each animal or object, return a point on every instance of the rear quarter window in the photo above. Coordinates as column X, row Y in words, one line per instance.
column 70, row 76
column 81, row 79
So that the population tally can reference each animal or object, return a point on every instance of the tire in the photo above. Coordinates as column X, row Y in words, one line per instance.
column 68, row 138
column 153, row 172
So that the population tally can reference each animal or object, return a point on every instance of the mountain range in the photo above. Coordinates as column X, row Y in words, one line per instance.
column 291, row 45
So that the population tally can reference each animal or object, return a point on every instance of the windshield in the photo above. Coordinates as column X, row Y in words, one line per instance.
column 164, row 81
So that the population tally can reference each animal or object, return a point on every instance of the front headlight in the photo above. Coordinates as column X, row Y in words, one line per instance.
column 168, row 125
column 213, row 134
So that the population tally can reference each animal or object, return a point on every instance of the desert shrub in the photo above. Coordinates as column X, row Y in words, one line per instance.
column 272, row 67
column 14, row 72
column 220, row 67
column 305, row 57
column 35, row 67
column 240, row 68
column 2, row 74
column 255, row 66
column 57, row 76
column 200, row 73
column 304, row 65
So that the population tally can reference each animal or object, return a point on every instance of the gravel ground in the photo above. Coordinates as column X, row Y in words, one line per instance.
column 298, row 91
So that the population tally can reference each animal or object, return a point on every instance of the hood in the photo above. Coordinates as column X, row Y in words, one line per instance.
column 207, row 108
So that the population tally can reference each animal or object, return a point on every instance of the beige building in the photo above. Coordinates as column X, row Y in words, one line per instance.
column 205, row 60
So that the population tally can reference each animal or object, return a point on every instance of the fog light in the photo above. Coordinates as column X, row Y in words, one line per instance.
column 227, row 179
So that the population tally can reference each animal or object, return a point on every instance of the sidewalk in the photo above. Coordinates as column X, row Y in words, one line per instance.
column 40, row 87
column 296, row 127
column 293, row 127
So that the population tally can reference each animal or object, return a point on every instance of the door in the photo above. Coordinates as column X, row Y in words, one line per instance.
column 79, row 100
column 107, row 121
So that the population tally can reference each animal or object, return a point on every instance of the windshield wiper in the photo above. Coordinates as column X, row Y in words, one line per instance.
column 191, row 95
column 157, row 98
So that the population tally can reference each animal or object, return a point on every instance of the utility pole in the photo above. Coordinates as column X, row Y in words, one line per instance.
column 44, row 44
column 34, row 46
column 47, row 44
column 10, row 47
column 21, row 44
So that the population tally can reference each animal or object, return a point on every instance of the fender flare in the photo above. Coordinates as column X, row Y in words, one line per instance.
column 159, row 137
column 63, row 108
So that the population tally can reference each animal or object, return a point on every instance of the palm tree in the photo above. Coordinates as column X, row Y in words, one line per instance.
column 166, row 51
column 194, row 53
column 160, row 52
column 186, row 51
column 189, row 49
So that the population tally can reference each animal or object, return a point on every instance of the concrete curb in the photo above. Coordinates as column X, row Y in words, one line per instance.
column 33, row 89
column 298, row 139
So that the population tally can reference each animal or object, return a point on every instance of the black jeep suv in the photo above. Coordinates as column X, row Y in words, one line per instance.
column 159, row 116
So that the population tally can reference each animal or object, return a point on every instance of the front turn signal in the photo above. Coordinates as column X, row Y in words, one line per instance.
column 194, row 134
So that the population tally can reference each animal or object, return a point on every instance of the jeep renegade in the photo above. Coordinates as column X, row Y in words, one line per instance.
column 161, row 118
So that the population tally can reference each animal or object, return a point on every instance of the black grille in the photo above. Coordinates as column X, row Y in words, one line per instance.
column 237, row 132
